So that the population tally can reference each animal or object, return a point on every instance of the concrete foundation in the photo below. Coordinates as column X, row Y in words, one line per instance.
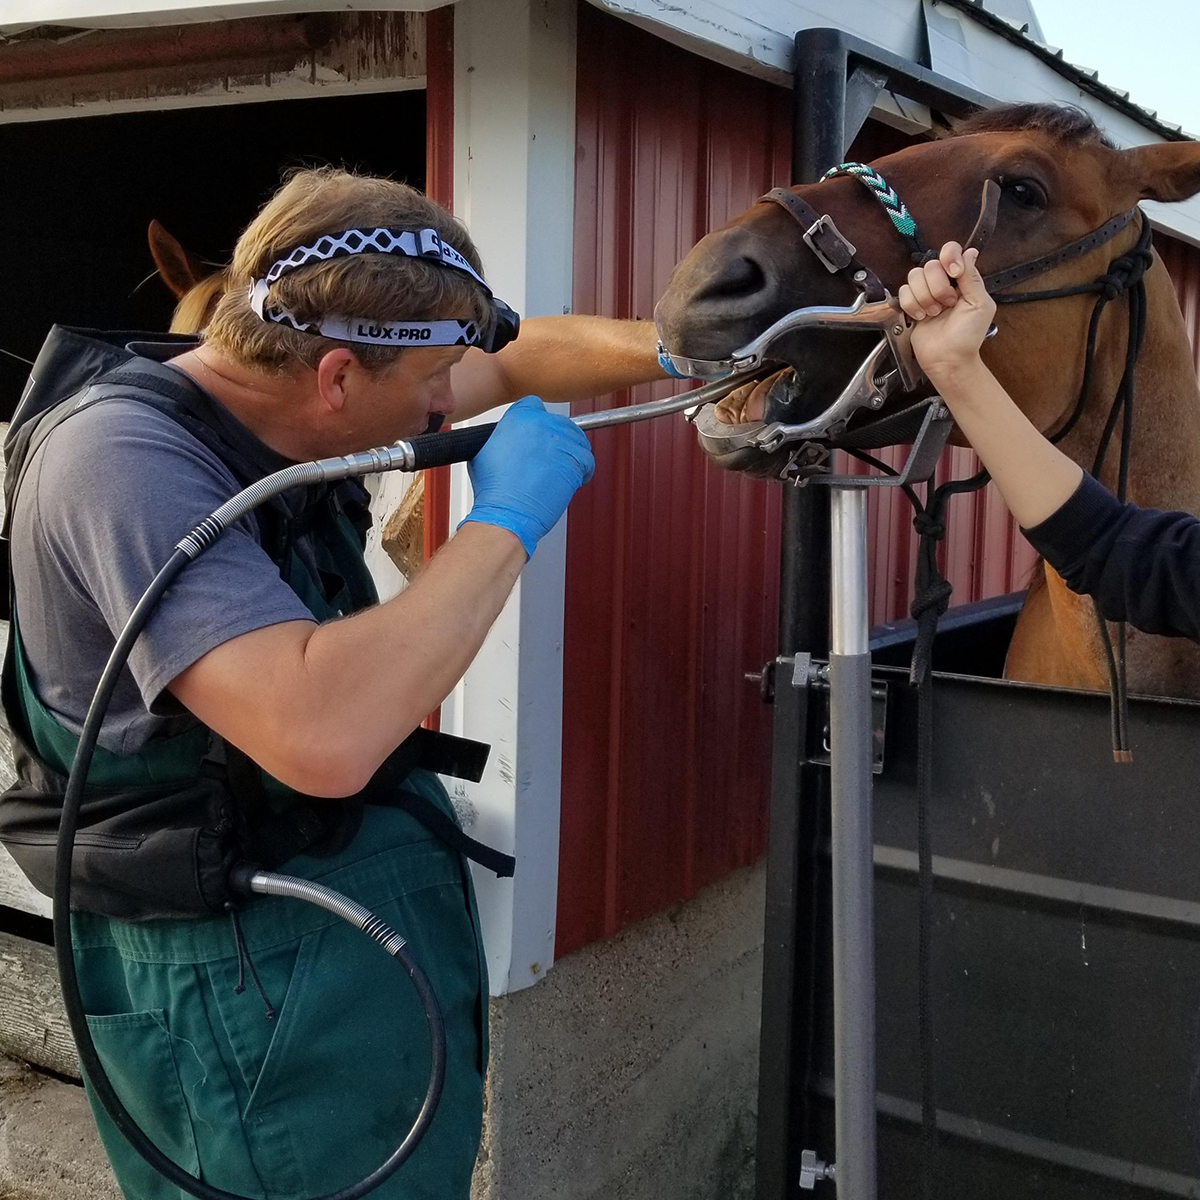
column 628, row 1073
column 631, row 1071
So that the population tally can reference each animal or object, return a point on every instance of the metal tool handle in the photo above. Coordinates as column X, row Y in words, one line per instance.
column 460, row 445
column 449, row 446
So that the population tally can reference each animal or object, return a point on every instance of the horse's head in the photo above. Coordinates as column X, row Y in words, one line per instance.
column 196, row 286
column 1059, row 179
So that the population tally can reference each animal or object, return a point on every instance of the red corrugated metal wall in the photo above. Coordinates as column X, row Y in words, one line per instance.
column 672, row 564
column 671, row 567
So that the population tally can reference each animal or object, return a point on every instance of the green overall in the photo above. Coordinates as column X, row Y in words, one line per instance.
column 302, row 1085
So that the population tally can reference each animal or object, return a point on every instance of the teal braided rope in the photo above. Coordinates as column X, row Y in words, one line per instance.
column 895, row 208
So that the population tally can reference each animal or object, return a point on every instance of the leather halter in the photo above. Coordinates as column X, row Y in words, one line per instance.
column 1124, row 275
column 838, row 255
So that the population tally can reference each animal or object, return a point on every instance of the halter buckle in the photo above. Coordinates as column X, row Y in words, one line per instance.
column 835, row 251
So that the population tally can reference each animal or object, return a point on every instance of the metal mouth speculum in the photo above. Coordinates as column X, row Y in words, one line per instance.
column 888, row 368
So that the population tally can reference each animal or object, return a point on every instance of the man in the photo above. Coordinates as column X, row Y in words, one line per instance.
column 248, row 719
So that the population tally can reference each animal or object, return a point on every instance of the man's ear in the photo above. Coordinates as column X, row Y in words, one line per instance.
column 335, row 375
column 1167, row 171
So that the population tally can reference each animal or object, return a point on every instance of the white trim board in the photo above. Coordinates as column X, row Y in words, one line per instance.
column 514, row 186
column 295, row 86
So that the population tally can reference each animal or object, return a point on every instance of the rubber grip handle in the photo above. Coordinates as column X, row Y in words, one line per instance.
column 451, row 446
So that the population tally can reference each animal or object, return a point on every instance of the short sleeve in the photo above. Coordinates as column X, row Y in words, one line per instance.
column 117, row 486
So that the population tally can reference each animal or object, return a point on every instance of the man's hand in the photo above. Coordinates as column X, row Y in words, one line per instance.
column 951, row 322
column 528, row 470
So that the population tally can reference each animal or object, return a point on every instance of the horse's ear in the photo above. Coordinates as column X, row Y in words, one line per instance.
column 180, row 269
column 1166, row 171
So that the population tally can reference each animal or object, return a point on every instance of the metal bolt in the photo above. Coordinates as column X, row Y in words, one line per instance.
column 812, row 1170
column 860, row 276
column 897, row 329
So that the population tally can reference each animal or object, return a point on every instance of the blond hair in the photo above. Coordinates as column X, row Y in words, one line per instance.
column 196, row 305
column 381, row 287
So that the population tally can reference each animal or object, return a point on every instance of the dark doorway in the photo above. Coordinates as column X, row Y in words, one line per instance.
column 80, row 193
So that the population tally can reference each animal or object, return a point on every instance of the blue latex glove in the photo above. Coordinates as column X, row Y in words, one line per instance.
column 528, row 470
column 668, row 366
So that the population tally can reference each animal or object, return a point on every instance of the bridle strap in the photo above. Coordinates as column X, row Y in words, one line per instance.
column 825, row 240
column 902, row 220
column 1048, row 262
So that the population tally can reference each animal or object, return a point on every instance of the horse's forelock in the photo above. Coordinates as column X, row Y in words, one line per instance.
column 1062, row 122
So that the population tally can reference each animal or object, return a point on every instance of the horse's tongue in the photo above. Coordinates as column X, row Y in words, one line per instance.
column 748, row 404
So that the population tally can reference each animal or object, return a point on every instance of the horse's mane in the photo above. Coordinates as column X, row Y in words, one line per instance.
column 1063, row 122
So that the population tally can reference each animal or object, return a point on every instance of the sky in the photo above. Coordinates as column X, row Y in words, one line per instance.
column 1150, row 48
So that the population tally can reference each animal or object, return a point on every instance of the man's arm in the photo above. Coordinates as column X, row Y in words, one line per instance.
column 559, row 359
column 321, row 706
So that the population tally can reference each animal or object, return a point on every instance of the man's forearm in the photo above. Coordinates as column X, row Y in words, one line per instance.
column 320, row 707
column 559, row 359
column 1035, row 478
column 380, row 673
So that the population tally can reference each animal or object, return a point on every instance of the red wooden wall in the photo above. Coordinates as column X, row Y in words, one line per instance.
column 672, row 564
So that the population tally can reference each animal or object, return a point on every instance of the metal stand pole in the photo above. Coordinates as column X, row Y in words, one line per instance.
column 853, row 845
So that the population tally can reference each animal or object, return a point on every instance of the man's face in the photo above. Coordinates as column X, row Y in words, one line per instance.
column 398, row 401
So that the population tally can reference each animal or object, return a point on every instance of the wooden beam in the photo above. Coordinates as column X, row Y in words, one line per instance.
column 33, row 1025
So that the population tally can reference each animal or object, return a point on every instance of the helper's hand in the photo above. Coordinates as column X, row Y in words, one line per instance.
column 528, row 470
column 951, row 322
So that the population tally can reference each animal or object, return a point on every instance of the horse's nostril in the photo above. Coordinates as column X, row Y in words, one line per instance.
column 742, row 278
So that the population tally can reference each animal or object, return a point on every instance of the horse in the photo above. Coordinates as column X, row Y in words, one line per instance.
column 1060, row 178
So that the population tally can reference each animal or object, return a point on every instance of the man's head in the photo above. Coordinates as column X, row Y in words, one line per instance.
column 366, row 393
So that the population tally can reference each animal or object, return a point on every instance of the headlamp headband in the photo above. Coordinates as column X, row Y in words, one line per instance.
column 425, row 244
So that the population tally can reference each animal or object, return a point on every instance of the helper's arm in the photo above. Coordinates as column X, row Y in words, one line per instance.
column 1141, row 565
column 559, row 359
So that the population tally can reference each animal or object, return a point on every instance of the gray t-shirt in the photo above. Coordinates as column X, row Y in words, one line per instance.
column 103, row 503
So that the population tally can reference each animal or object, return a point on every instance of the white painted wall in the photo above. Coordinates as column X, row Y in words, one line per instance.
column 514, row 144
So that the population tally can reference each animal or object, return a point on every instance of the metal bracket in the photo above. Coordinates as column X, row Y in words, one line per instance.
column 813, row 1170
column 879, row 698
column 809, row 673
column 926, row 449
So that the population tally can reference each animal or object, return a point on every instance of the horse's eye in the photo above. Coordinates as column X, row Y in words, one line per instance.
column 1026, row 192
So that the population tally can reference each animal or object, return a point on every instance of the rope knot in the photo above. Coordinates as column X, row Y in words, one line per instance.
column 934, row 597
column 930, row 525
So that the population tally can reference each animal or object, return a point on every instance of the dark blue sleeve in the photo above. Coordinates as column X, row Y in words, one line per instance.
column 1141, row 565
